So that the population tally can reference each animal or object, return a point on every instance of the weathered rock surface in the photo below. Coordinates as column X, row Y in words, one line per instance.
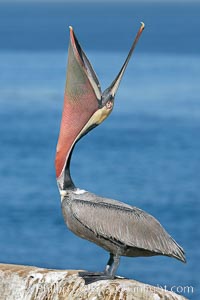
column 30, row 283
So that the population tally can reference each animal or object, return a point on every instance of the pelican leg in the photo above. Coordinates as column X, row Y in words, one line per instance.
column 109, row 272
column 112, row 265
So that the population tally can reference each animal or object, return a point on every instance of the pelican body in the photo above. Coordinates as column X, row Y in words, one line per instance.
column 119, row 228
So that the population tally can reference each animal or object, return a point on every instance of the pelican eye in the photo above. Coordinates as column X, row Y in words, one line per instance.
column 109, row 104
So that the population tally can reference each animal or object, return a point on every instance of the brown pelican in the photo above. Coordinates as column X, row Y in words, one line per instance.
column 119, row 228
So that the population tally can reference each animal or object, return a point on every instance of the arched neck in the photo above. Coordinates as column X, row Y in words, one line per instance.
column 65, row 182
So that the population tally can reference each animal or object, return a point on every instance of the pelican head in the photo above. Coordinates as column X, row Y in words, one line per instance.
column 85, row 105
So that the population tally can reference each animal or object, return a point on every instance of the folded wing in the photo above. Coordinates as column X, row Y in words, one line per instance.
column 126, row 224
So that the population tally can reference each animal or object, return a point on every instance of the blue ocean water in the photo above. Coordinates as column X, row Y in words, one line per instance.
column 146, row 153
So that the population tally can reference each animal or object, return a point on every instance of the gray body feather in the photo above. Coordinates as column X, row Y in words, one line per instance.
column 119, row 228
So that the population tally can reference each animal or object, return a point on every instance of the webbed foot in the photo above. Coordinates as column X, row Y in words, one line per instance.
column 90, row 277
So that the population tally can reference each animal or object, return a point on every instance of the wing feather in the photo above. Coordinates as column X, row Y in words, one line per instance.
column 126, row 224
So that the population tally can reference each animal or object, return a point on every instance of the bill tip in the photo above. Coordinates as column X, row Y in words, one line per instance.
column 142, row 25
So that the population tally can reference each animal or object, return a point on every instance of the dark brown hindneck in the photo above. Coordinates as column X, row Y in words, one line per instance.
column 65, row 181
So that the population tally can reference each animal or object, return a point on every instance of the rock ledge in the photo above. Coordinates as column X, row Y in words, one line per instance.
column 19, row 282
